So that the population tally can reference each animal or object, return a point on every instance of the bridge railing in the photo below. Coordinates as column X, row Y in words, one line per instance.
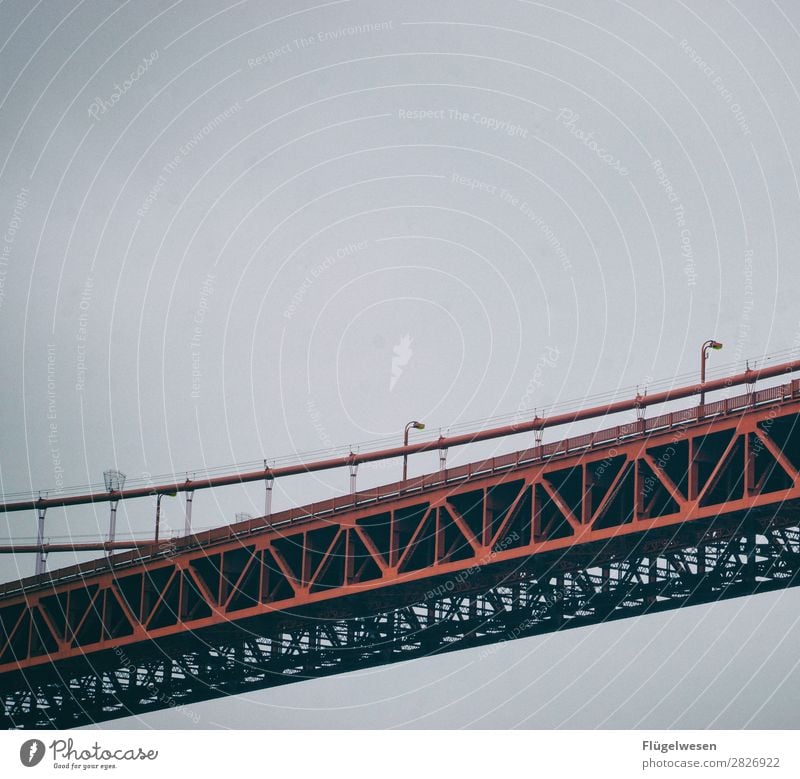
column 502, row 463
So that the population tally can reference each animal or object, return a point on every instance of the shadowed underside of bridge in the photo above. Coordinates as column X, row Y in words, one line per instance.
column 676, row 511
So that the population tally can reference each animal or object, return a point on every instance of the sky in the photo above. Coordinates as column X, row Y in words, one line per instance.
column 237, row 231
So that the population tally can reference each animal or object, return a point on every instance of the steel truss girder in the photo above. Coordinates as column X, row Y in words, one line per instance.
column 745, row 463
column 654, row 572
column 597, row 505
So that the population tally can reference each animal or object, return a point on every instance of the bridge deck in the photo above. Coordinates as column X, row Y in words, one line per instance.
column 685, row 507
column 587, row 442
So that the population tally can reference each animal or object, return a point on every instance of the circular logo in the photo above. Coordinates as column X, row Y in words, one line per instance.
column 31, row 752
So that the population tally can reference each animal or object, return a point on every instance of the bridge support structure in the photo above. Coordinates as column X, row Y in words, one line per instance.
column 651, row 574
column 621, row 522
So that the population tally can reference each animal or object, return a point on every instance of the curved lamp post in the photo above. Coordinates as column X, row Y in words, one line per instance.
column 710, row 344
column 417, row 426
column 158, row 509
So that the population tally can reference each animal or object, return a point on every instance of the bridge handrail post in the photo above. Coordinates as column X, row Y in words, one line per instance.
column 41, row 555
column 353, row 468
column 187, row 519
column 269, row 481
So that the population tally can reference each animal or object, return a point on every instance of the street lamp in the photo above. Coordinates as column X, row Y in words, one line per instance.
column 710, row 344
column 417, row 426
column 158, row 508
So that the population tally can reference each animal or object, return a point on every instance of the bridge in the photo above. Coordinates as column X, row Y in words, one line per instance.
column 685, row 507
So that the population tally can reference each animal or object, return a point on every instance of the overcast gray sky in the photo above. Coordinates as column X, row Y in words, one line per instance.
column 221, row 221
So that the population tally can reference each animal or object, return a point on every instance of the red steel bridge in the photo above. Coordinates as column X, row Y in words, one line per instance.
column 687, row 507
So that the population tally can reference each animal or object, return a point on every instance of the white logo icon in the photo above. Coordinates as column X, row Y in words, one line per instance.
column 401, row 355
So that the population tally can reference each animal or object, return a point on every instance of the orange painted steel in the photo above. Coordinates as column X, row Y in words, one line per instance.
column 728, row 458
column 88, row 546
column 640, row 402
